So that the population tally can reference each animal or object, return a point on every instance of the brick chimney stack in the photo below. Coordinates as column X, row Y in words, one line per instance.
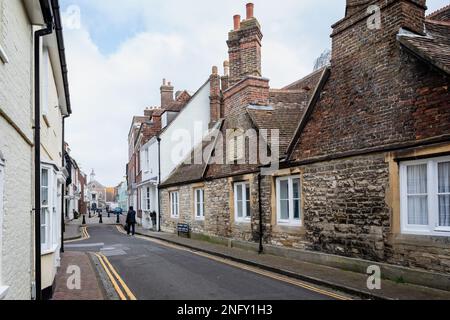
column 354, row 6
column 215, row 97
column 166, row 94
column 244, row 43
column 353, row 40
column 226, row 75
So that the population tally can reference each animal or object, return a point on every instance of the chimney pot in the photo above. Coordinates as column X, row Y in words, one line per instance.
column 164, row 82
column 237, row 22
column 215, row 70
column 226, row 68
column 250, row 10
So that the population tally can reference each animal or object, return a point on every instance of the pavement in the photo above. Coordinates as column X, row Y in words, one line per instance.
column 72, row 230
column 77, row 279
column 148, row 269
column 345, row 281
column 165, row 266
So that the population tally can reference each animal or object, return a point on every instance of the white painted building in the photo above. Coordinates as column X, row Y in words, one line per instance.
column 175, row 142
column 18, row 21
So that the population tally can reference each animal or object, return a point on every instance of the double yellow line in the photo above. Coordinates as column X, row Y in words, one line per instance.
column 117, row 282
column 84, row 236
column 242, row 266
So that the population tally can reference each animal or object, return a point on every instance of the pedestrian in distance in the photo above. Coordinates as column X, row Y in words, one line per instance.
column 131, row 221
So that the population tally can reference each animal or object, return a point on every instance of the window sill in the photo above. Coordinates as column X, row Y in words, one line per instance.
column 243, row 221
column 3, row 292
column 49, row 251
column 3, row 56
column 200, row 219
column 437, row 233
column 296, row 230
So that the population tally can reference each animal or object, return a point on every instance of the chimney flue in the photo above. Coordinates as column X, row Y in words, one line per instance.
column 237, row 22
column 226, row 68
column 250, row 10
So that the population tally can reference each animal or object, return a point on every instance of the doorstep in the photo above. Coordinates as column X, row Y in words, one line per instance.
column 346, row 281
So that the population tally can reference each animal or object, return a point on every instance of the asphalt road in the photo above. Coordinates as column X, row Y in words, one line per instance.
column 157, row 272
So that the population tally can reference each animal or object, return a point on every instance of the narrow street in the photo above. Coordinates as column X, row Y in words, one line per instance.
column 153, row 270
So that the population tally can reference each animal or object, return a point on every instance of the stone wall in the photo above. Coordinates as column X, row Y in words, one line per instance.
column 219, row 211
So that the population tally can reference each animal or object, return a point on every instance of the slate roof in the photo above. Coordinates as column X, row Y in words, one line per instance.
column 434, row 48
column 442, row 14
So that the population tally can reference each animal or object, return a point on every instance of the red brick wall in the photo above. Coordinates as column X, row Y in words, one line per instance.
column 377, row 93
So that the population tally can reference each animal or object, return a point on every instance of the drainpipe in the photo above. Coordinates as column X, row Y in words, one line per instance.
column 63, row 186
column 37, row 142
column 261, row 235
column 159, row 182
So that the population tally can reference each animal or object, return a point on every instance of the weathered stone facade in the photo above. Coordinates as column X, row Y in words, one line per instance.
column 374, row 107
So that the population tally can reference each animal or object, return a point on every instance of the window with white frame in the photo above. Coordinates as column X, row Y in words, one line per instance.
column 147, row 199
column 147, row 160
column 174, row 204
column 289, row 201
column 425, row 196
column 242, row 210
column 3, row 56
column 45, row 209
column 236, row 145
column 199, row 204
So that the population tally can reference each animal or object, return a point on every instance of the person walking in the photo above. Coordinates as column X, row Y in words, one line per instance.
column 131, row 221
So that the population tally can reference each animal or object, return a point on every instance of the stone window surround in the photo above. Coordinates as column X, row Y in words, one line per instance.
column 194, row 187
column 432, row 228
column 393, row 194
column 172, row 193
column 292, row 222
column 297, row 230
column 200, row 217
column 246, row 219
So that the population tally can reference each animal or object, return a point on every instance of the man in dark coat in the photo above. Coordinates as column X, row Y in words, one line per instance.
column 131, row 221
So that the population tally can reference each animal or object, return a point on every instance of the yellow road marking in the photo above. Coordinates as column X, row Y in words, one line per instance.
column 113, row 281
column 124, row 286
column 259, row 271
column 84, row 236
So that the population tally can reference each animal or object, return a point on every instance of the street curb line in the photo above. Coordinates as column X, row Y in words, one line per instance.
column 84, row 236
column 127, row 290
column 111, row 278
column 313, row 280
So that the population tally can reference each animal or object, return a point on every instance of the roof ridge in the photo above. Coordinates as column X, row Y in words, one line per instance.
column 312, row 102
column 447, row 7
column 304, row 78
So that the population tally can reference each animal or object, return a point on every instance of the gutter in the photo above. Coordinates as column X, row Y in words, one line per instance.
column 48, row 18
column 62, row 52
column 63, row 186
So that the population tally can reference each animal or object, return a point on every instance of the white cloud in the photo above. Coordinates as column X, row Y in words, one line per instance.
column 177, row 40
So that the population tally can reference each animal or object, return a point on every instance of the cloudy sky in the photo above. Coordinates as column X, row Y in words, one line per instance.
column 121, row 50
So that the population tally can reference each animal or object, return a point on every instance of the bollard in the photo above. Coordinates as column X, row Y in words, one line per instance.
column 118, row 219
column 101, row 220
column 84, row 219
